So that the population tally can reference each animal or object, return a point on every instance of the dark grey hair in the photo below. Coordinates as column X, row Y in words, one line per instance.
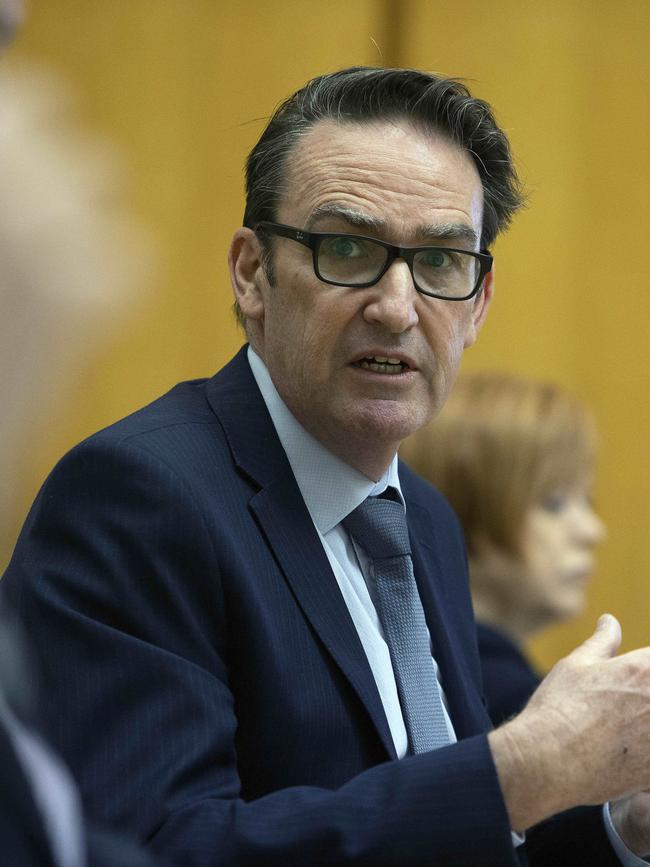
column 360, row 93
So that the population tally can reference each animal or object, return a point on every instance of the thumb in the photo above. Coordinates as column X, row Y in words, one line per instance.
column 605, row 640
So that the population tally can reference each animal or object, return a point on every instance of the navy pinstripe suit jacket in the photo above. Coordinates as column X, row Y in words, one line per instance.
column 205, row 681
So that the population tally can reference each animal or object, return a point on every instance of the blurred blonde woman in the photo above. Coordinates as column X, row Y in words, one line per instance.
column 515, row 458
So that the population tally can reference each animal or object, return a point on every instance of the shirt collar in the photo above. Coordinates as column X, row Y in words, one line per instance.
column 330, row 488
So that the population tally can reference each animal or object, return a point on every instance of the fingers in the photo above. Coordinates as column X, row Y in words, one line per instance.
column 584, row 736
column 605, row 641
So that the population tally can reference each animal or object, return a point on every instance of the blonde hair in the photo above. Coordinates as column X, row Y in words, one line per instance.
column 501, row 445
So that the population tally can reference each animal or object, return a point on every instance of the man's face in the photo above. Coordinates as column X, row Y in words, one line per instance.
column 389, row 181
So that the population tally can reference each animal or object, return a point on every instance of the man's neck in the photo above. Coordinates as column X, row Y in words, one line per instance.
column 364, row 456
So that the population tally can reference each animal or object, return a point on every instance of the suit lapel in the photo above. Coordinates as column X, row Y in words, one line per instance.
column 281, row 513
column 291, row 534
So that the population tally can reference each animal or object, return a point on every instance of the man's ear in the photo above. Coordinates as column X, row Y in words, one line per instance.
column 246, row 273
column 481, row 304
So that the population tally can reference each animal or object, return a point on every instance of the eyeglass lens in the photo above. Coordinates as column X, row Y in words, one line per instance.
column 353, row 261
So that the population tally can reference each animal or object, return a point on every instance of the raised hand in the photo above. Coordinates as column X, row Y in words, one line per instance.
column 583, row 738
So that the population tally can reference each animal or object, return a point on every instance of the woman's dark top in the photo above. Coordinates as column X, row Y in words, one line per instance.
column 508, row 678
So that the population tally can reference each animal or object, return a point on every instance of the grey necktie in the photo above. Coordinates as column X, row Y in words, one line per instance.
column 379, row 526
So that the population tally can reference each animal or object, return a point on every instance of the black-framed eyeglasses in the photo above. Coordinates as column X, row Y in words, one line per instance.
column 342, row 259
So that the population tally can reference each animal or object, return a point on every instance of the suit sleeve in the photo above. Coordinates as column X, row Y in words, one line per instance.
column 120, row 584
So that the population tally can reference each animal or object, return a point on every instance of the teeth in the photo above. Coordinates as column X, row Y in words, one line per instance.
column 382, row 364
column 383, row 359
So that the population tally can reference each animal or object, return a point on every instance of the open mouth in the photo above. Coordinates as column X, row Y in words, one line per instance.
column 382, row 364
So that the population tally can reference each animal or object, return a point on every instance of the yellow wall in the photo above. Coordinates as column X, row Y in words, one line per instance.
column 181, row 85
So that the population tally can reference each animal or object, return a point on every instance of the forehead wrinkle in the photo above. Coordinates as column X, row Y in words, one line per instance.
column 385, row 179
column 359, row 206
column 393, row 228
column 397, row 142
column 390, row 169
column 388, row 186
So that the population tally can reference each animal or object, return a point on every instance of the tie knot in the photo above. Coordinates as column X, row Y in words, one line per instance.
column 379, row 526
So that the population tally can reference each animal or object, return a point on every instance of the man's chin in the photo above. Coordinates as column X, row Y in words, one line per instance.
column 387, row 421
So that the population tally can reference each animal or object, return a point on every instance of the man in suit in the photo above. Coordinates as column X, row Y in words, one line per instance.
column 222, row 675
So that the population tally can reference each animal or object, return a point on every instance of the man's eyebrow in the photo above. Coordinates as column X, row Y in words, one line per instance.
column 449, row 232
column 433, row 232
column 356, row 219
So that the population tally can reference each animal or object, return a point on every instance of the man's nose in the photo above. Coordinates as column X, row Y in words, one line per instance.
column 392, row 300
